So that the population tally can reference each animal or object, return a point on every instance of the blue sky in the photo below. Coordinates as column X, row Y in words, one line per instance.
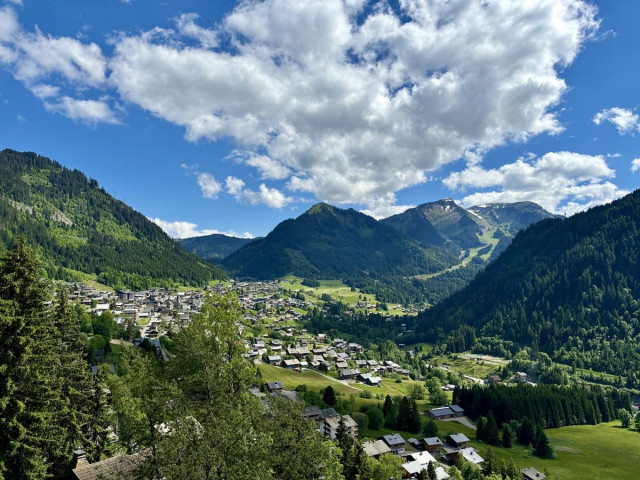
column 233, row 116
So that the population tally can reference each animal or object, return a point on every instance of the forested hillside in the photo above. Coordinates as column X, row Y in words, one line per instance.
column 328, row 242
column 567, row 287
column 76, row 226
column 213, row 247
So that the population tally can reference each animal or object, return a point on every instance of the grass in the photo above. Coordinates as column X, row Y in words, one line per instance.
column 597, row 452
column 467, row 365
column 313, row 380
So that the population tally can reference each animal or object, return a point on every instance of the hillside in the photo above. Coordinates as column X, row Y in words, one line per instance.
column 567, row 287
column 213, row 247
column 512, row 217
column 435, row 223
column 328, row 242
column 77, row 227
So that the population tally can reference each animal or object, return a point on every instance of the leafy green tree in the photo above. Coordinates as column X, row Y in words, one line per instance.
column 362, row 420
column 193, row 417
column 388, row 467
column 431, row 471
column 526, row 432
column 376, row 418
column 390, row 411
column 543, row 448
column 430, row 428
column 625, row 417
column 481, row 428
column 416, row 392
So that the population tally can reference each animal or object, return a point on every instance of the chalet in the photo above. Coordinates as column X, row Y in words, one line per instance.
column 369, row 379
column 395, row 442
column 312, row 413
column 494, row 379
column 432, row 444
column 376, row 448
column 531, row 473
column 520, row 377
column 443, row 412
column 293, row 363
column 348, row 374
column 457, row 440
column 274, row 359
column 419, row 462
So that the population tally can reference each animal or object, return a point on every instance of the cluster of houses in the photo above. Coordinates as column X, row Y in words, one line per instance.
column 153, row 308
column 337, row 355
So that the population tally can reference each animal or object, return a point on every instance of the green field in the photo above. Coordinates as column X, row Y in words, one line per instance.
column 337, row 290
column 595, row 452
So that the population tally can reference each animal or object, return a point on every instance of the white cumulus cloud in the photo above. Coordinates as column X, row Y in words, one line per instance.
column 622, row 118
column 354, row 107
column 635, row 165
column 209, row 185
column 87, row 111
column 349, row 100
column 272, row 197
column 561, row 182
column 183, row 229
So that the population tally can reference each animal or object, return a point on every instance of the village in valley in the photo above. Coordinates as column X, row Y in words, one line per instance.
column 277, row 341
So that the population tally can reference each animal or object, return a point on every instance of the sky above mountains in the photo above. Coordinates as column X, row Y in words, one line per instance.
column 232, row 116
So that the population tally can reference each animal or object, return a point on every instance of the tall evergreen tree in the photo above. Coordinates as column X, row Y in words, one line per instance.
column 507, row 436
column 30, row 391
column 492, row 434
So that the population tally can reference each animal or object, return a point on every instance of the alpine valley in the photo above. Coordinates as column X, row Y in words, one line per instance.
column 367, row 321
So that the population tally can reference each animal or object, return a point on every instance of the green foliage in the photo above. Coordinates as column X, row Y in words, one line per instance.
column 45, row 391
column 76, row 225
column 430, row 429
column 552, row 406
column 376, row 418
column 507, row 436
column 329, row 396
column 625, row 417
column 214, row 247
column 193, row 417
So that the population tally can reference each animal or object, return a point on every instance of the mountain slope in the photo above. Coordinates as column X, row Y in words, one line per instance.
column 329, row 242
column 76, row 225
column 213, row 247
column 568, row 287
column 436, row 222
column 513, row 217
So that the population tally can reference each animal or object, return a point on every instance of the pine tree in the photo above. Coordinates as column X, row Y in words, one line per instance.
column 77, row 387
column 329, row 396
column 30, row 386
column 491, row 433
column 507, row 436
column 431, row 471
column 490, row 464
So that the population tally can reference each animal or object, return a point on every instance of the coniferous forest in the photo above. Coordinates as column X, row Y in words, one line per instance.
column 569, row 288
column 78, row 227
